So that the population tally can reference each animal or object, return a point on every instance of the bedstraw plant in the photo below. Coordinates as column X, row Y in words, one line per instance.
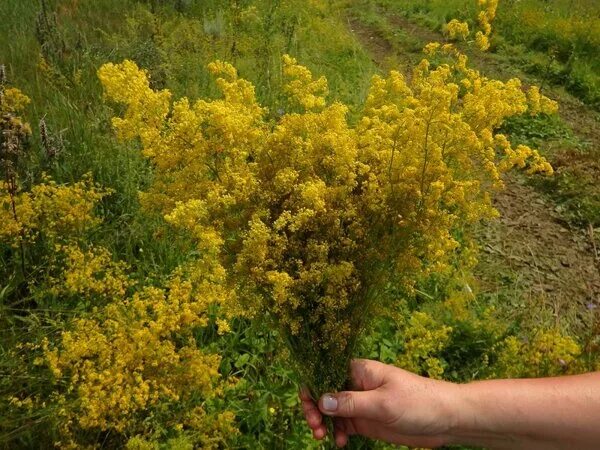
column 313, row 215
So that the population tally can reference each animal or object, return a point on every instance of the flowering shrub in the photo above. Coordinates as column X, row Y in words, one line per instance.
column 313, row 215
column 456, row 29
column 130, row 368
column 424, row 339
column 50, row 211
column 137, row 358
column 485, row 17
column 89, row 273
column 14, row 133
column 548, row 353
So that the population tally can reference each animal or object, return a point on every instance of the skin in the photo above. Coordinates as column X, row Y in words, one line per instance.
column 399, row 407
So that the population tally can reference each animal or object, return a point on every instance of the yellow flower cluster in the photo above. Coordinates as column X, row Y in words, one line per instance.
column 137, row 355
column 301, row 87
column 207, row 431
column 310, row 215
column 424, row 338
column 547, row 353
column 521, row 156
column 117, row 367
column 13, row 101
column 487, row 13
column 455, row 29
column 539, row 103
column 53, row 210
column 13, row 134
column 90, row 274
column 56, row 212
column 132, row 365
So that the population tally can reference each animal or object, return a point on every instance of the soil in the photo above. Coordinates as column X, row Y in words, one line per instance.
column 554, row 262
column 530, row 248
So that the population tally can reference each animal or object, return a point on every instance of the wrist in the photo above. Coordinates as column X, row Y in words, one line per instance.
column 473, row 421
column 457, row 411
column 465, row 413
column 449, row 402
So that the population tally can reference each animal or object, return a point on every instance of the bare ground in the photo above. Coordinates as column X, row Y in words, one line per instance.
column 553, row 262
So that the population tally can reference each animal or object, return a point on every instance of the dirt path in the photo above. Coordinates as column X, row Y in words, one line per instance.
column 530, row 249
column 550, row 261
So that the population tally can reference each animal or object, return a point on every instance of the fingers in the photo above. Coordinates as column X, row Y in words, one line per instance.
column 342, row 427
column 353, row 404
column 340, row 432
column 305, row 394
column 320, row 432
column 313, row 416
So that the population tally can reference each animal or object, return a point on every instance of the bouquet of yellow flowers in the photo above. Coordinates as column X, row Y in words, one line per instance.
column 311, row 214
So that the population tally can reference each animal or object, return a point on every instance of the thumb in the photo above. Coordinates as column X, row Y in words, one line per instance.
column 352, row 404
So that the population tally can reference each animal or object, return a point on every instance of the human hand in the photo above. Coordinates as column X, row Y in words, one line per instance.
column 389, row 404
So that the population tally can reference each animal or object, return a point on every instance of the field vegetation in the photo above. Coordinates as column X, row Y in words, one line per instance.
column 206, row 204
column 557, row 40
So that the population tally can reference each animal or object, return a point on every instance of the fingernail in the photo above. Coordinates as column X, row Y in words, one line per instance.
column 330, row 403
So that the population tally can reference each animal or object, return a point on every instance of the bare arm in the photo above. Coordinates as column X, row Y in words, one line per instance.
column 397, row 406
column 561, row 412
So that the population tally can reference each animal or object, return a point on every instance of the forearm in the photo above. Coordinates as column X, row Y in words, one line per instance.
column 541, row 413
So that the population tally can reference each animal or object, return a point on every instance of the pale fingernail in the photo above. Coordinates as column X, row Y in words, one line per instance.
column 330, row 403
